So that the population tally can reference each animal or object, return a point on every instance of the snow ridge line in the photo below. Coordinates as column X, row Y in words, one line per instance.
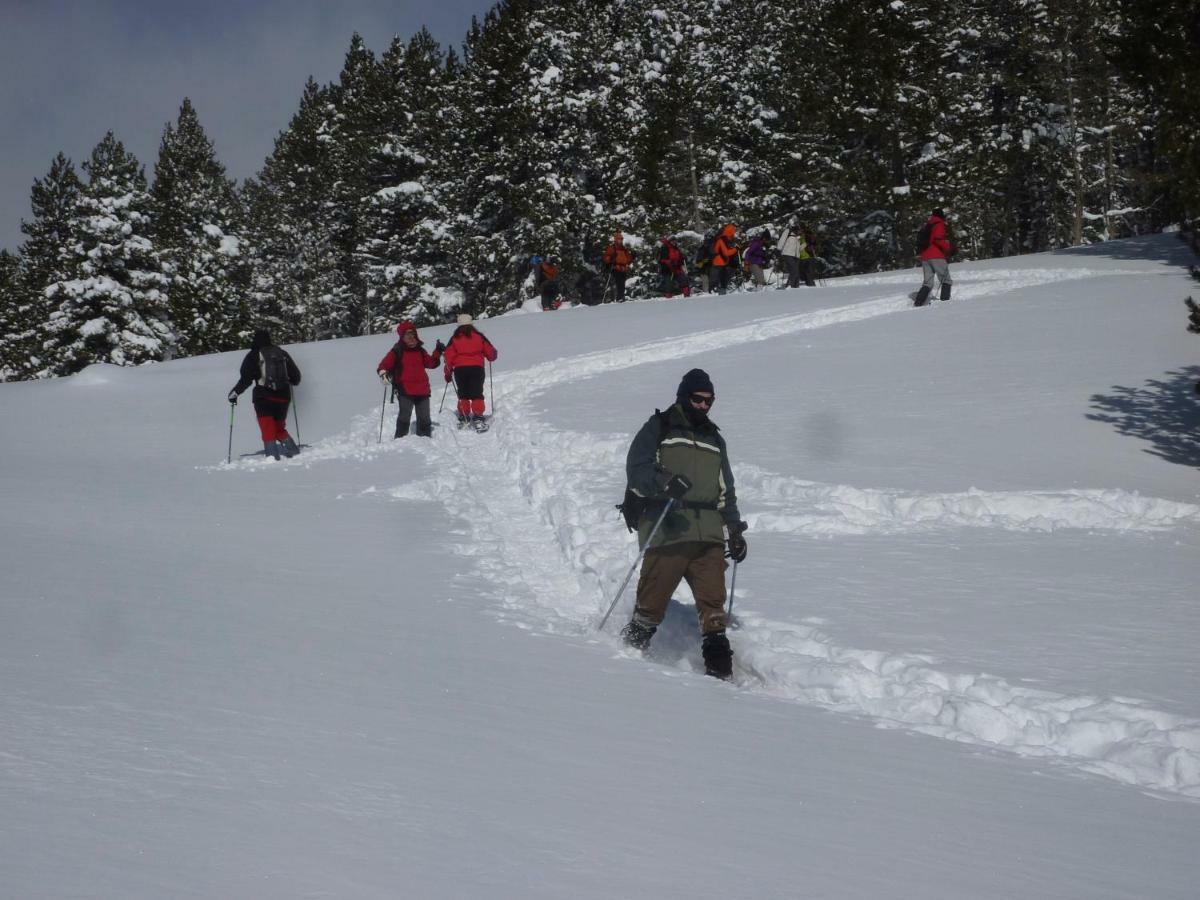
column 845, row 510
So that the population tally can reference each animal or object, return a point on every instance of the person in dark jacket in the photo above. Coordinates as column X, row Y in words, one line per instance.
column 273, row 373
column 680, row 454
column 404, row 369
column 545, row 279
column 672, row 269
column 934, row 259
column 465, row 355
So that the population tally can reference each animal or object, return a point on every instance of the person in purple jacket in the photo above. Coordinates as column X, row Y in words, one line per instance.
column 757, row 258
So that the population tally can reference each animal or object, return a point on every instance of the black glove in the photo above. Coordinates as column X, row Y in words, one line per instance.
column 737, row 543
column 439, row 347
column 233, row 397
column 677, row 487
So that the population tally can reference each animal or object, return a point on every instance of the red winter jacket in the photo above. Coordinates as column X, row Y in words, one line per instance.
column 939, row 245
column 468, row 347
column 407, row 365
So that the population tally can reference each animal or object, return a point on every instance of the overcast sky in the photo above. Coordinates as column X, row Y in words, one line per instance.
column 72, row 70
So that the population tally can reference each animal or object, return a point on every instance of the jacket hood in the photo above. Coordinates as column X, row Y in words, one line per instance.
column 262, row 338
column 728, row 231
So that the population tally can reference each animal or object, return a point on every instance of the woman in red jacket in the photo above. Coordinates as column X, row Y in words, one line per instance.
column 465, row 355
column 404, row 369
column 934, row 256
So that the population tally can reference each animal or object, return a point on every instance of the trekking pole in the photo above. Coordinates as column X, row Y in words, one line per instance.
column 443, row 403
column 382, row 410
column 732, row 582
column 491, row 388
column 296, row 416
column 229, row 455
column 641, row 553
column 604, row 292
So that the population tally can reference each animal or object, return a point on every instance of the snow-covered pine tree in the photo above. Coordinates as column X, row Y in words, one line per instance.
column 299, row 286
column 1157, row 50
column 405, row 226
column 10, row 301
column 198, row 232
column 115, row 308
column 45, row 260
column 489, row 158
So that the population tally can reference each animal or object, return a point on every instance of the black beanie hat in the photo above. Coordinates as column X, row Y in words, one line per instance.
column 940, row 213
column 693, row 381
column 262, row 338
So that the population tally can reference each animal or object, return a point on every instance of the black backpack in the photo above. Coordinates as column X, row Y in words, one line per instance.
column 273, row 365
column 704, row 252
column 632, row 506
column 923, row 237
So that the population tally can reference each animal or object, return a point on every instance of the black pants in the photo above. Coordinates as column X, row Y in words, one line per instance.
column 618, row 280
column 808, row 268
column 407, row 404
column 720, row 278
column 549, row 294
column 469, row 382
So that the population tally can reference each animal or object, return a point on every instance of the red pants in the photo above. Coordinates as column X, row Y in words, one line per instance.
column 272, row 429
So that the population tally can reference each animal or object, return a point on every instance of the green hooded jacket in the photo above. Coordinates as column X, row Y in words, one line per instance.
column 697, row 452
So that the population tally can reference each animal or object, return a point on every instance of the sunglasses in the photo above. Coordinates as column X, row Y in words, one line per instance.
column 700, row 400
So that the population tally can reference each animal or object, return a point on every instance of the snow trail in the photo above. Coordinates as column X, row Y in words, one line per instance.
column 550, row 551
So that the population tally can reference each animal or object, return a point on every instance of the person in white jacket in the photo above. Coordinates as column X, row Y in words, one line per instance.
column 798, row 252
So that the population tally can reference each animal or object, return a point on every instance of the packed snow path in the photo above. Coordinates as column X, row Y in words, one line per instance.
column 536, row 506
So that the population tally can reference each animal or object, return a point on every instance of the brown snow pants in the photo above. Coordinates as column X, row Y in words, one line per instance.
column 702, row 564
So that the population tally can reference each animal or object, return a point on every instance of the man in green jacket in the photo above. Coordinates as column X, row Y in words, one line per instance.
column 681, row 454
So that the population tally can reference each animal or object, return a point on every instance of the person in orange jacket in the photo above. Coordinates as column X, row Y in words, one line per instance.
column 724, row 258
column 618, row 258
column 465, row 355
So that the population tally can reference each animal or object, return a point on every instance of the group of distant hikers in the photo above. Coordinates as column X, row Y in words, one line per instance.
column 719, row 258
column 680, row 495
column 716, row 259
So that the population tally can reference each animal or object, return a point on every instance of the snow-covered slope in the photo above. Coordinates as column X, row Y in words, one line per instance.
column 373, row 670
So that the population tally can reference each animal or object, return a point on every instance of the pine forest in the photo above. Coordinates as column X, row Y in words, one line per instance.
column 420, row 183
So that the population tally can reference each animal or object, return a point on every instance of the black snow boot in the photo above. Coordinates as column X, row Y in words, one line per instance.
column 945, row 292
column 637, row 635
column 290, row 447
column 271, row 448
column 718, row 656
column 922, row 296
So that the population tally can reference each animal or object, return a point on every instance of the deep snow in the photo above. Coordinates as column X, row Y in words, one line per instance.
column 965, row 660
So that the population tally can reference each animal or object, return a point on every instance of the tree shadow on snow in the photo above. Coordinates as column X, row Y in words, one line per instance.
column 1164, row 412
column 1149, row 248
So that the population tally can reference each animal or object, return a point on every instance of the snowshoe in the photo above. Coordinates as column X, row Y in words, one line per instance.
column 290, row 447
column 637, row 635
column 271, row 449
